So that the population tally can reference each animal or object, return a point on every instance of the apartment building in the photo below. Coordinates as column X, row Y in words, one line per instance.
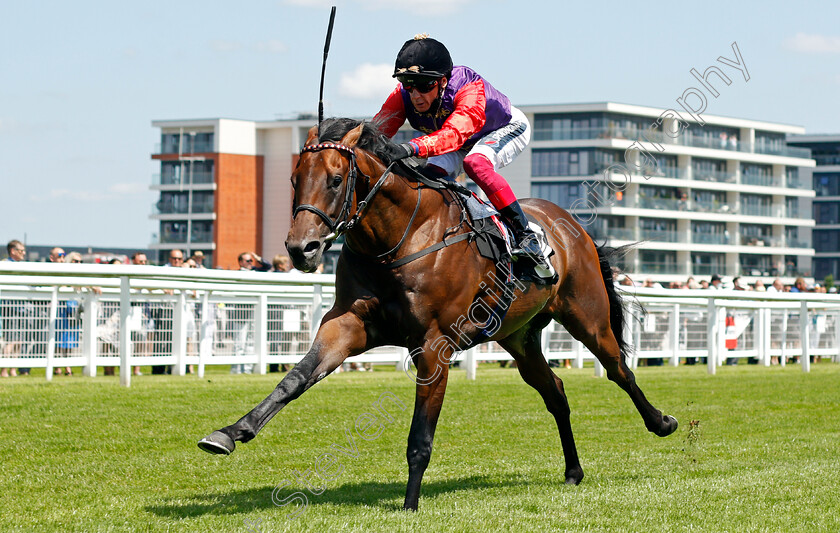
column 727, row 197
column 825, row 179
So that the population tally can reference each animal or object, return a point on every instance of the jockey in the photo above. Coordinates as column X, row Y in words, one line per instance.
column 468, row 124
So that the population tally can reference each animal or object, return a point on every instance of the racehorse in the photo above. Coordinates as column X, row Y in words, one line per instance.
column 395, row 287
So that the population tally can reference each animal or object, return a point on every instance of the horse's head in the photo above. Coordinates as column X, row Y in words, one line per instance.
column 323, row 184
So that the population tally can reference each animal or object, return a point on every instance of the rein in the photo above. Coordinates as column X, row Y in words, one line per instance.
column 344, row 222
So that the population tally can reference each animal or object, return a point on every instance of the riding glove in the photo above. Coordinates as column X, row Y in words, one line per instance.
column 395, row 152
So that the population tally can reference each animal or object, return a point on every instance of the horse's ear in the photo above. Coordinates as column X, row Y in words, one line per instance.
column 353, row 136
column 312, row 136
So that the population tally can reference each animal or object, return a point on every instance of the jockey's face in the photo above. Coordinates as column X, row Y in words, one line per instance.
column 422, row 102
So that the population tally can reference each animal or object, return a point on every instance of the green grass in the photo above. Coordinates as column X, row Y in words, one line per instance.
column 84, row 454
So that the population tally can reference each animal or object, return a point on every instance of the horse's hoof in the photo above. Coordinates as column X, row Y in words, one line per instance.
column 574, row 477
column 669, row 425
column 218, row 443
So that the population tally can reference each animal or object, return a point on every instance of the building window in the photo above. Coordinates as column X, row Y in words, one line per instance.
column 561, row 162
column 710, row 202
column 658, row 262
column 658, row 229
column 562, row 194
column 173, row 232
column 202, row 201
column 709, row 233
column 173, row 202
column 706, row 264
column 756, row 234
column 792, row 207
column 753, row 174
column 827, row 184
column 792, row 238
column 792, row 177
column 826, row 240
column 186, row 172
column 202, row 231
column 826, row 213
column 755, row 205
column 756, row 265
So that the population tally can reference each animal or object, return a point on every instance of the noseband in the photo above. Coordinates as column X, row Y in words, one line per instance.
column 343, row 222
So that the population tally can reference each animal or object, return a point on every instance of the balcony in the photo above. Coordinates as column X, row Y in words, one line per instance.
column 660, row 268
column 189, row 148
column 661, row 235
column 618, row 234
column 685, row 139
column 709, row 238
column 720, row 176
column 188, row 178
column 757, row 210
column 662, row 204
column 750, row 240
column 755, row 179
column 172, row 208
column 713, row 206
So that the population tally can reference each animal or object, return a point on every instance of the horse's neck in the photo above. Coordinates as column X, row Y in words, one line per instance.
column 394, row 215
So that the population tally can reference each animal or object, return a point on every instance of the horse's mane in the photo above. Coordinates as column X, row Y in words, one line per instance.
column 372, row 139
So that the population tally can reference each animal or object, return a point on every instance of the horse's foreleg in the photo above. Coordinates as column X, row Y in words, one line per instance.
column 524, row 346
column 431, row 378
column 339, row 337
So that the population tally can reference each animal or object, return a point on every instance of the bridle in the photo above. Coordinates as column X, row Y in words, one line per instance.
column 343, row 222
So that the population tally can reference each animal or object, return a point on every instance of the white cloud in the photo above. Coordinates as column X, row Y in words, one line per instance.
column 221, row 45
column 368, row 82
column 271, row 47
column 428, row 8
column 113, row 192
column 813, row 43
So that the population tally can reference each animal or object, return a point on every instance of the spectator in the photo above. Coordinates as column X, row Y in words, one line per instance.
column 198, row 259
column 115, row 261
column 736, row 284
column 758, row 286
column 281, row 263
column 13, row 319
column 73, row 257
column 704, row 284
column 57, row 255
column 140, row 317
column 161, row 313
column 691, row 283
column 715, row 282
column 176, row 258
column 251, row 261
column 242, row 315
column 799, row 285
column 651, row 285
column 777, row 286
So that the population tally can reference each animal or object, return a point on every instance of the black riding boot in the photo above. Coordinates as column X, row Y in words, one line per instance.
column 527, row 242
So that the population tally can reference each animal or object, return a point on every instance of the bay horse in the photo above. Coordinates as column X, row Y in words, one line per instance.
column 389, row 292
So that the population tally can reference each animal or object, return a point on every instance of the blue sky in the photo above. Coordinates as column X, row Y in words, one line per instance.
column 82, row 81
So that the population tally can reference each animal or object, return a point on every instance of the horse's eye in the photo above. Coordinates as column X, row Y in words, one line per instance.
column 336, row 181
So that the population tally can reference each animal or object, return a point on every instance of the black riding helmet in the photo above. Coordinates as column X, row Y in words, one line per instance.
column 423, row 58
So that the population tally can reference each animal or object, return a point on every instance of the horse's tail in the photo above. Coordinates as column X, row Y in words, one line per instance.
column 617, row 310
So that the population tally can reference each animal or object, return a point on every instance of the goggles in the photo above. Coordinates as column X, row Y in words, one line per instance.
column 421, row 85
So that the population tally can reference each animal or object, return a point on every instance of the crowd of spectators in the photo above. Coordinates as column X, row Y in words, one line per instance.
column 715, row 282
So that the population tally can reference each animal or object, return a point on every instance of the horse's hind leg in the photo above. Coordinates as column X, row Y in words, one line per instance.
column 588, row 322
column 524, row 346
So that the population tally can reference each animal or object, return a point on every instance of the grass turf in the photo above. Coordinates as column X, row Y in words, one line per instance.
column 83, row 454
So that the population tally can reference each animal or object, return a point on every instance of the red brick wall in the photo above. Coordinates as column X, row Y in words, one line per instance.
column 238, row 225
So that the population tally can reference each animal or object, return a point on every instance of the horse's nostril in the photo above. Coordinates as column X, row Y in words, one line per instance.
column 311, row 246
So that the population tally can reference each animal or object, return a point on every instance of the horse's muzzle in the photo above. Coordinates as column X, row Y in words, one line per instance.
column 306, row 254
